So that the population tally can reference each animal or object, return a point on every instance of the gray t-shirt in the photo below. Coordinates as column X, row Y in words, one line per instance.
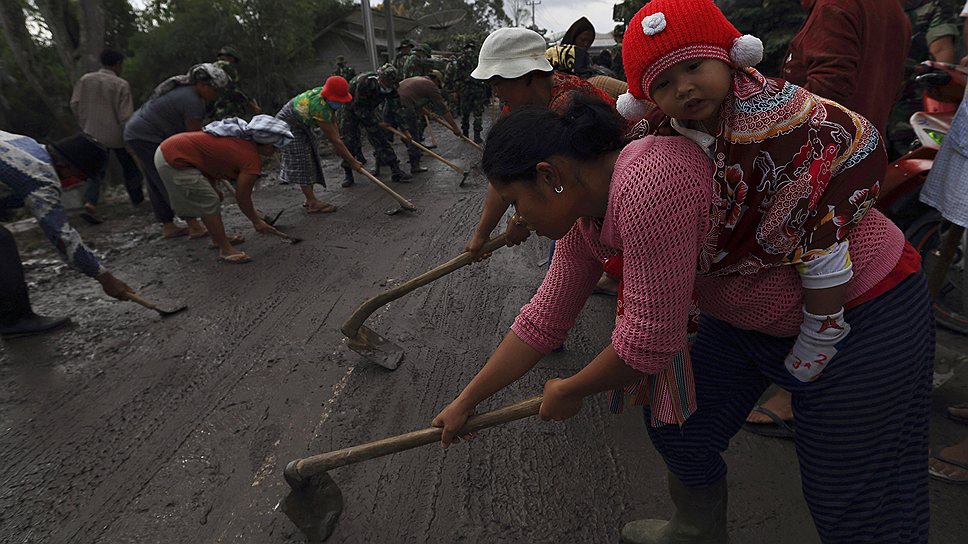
column 165, row 116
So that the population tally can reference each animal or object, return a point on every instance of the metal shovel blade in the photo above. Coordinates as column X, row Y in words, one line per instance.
column 168, row 313
column 376, row 348
column 314, row 507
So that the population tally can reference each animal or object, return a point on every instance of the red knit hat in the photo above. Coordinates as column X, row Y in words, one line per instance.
column 666, row 32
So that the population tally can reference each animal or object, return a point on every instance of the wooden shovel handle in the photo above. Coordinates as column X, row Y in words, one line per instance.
column 316, row 464
column 437, row 118
column 352, row 326
column 134, row 297
column 422, row 148
column 404, row 203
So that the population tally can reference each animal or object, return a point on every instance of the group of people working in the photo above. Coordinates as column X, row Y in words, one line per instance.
column 739, row 206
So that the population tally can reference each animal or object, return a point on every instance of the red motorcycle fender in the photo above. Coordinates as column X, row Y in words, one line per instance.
column 905, row 175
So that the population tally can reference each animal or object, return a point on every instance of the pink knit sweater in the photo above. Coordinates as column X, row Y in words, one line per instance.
column 658, row 216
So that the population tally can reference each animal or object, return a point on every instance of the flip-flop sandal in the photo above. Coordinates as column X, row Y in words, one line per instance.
column 957, row 418
column 778, row 428
column 180, row 234
column 235, row 240
column 90, row 217
column 944, row 477
column 241, row 258
column 328, row 208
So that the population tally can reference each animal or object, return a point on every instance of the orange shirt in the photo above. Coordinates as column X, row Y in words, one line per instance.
column 218, row 157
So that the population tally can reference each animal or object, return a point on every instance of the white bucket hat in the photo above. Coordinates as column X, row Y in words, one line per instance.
column 511, row 53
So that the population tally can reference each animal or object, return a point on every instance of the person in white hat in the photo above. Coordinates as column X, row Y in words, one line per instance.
column 513, row 62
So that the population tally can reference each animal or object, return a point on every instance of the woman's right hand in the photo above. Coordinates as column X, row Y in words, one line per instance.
column 452, row 419
column 475, row 244
column 517, row 231
column 356, row 165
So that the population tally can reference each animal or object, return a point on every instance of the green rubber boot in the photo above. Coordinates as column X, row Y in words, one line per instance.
column 700, row 518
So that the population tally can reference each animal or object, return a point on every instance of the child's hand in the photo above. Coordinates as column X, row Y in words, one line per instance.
column 558, row 404
column 452, row 419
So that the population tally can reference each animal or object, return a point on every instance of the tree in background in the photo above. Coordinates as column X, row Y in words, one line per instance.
column 775, row 22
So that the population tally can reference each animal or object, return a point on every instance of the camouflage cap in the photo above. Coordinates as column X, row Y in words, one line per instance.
column 390, row 73
column 425, row 48
column 229, row 50
column 405, row 43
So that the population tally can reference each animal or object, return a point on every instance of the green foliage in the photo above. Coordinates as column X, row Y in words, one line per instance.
column 274, row 38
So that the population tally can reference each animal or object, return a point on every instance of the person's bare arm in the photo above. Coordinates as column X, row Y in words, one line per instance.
column 943, row 49
column 511, row 360
column 449, row 117
column 332, row 134
column 243, row 196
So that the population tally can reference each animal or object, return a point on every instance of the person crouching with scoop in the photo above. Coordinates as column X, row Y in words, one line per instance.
column 191, row 163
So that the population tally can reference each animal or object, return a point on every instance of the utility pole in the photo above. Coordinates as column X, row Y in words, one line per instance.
column 368, row 34
column 391, row 37
column 532, row 3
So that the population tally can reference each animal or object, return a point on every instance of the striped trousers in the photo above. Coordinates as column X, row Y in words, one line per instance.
column 862, row 426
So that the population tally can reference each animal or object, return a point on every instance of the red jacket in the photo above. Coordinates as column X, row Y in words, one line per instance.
column 852, row 52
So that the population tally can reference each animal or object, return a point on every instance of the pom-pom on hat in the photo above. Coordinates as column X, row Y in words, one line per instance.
column 666, row 32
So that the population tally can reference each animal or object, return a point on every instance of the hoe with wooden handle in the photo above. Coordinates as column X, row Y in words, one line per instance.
column 371, row 345
column 315, row 502
column 426, row 151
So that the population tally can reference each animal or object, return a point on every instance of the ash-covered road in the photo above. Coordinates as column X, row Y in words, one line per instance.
column 129, row 428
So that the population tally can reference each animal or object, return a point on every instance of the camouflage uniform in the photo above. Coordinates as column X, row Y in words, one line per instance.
column 472, row 94
column 344, row 71
column 232, row 101
column 369, row 107
column 418, row 63
column 401, row 58
column 930, row 21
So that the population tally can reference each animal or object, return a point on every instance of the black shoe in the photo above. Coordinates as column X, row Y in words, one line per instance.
column 414, row 170
column 347, row 182
column 376, row 171
column 401, row 177
column 33, row 324
column 477, row 138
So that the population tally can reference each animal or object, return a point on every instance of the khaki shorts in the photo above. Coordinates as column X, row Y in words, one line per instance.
column 189, row 191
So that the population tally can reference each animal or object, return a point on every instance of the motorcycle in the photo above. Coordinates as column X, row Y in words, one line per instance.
column 922, row 225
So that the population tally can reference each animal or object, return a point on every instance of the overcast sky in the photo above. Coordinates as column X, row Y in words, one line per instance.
column 557, row 15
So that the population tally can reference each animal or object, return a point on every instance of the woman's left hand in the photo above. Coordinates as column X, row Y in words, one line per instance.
column 557, row 403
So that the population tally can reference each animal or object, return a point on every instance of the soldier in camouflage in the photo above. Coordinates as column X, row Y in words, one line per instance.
column 375, row 105
column 403, row 51
column 616, row 50
column 418, row 63
column 934, row 29
column 342, row 70
column 466, row 91
column 232, row 102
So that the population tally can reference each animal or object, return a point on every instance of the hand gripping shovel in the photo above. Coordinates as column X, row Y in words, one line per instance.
column 315, row 502
column 426, row 151
column 150, row 305
column 371, row 345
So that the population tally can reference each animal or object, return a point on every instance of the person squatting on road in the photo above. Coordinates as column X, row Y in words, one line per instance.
column 300, row 159
column 417, row 93
column 512, row 60
column 30, row 175
column 375, row 105
column 176, row 105
column 686, row 226
column 191, row 163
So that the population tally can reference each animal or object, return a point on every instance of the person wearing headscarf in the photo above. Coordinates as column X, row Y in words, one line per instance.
column 300, row 160
column 30, row 176
column 191, row 163
column 177, row 105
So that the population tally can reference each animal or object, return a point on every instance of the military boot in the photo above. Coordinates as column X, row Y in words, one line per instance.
column 376, row 170
column 399, row 175
column 477, row 137
column 348, row 173
column 700, row 518
column 415, row 167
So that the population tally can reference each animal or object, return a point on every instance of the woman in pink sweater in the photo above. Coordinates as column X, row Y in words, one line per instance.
column 655, row 201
